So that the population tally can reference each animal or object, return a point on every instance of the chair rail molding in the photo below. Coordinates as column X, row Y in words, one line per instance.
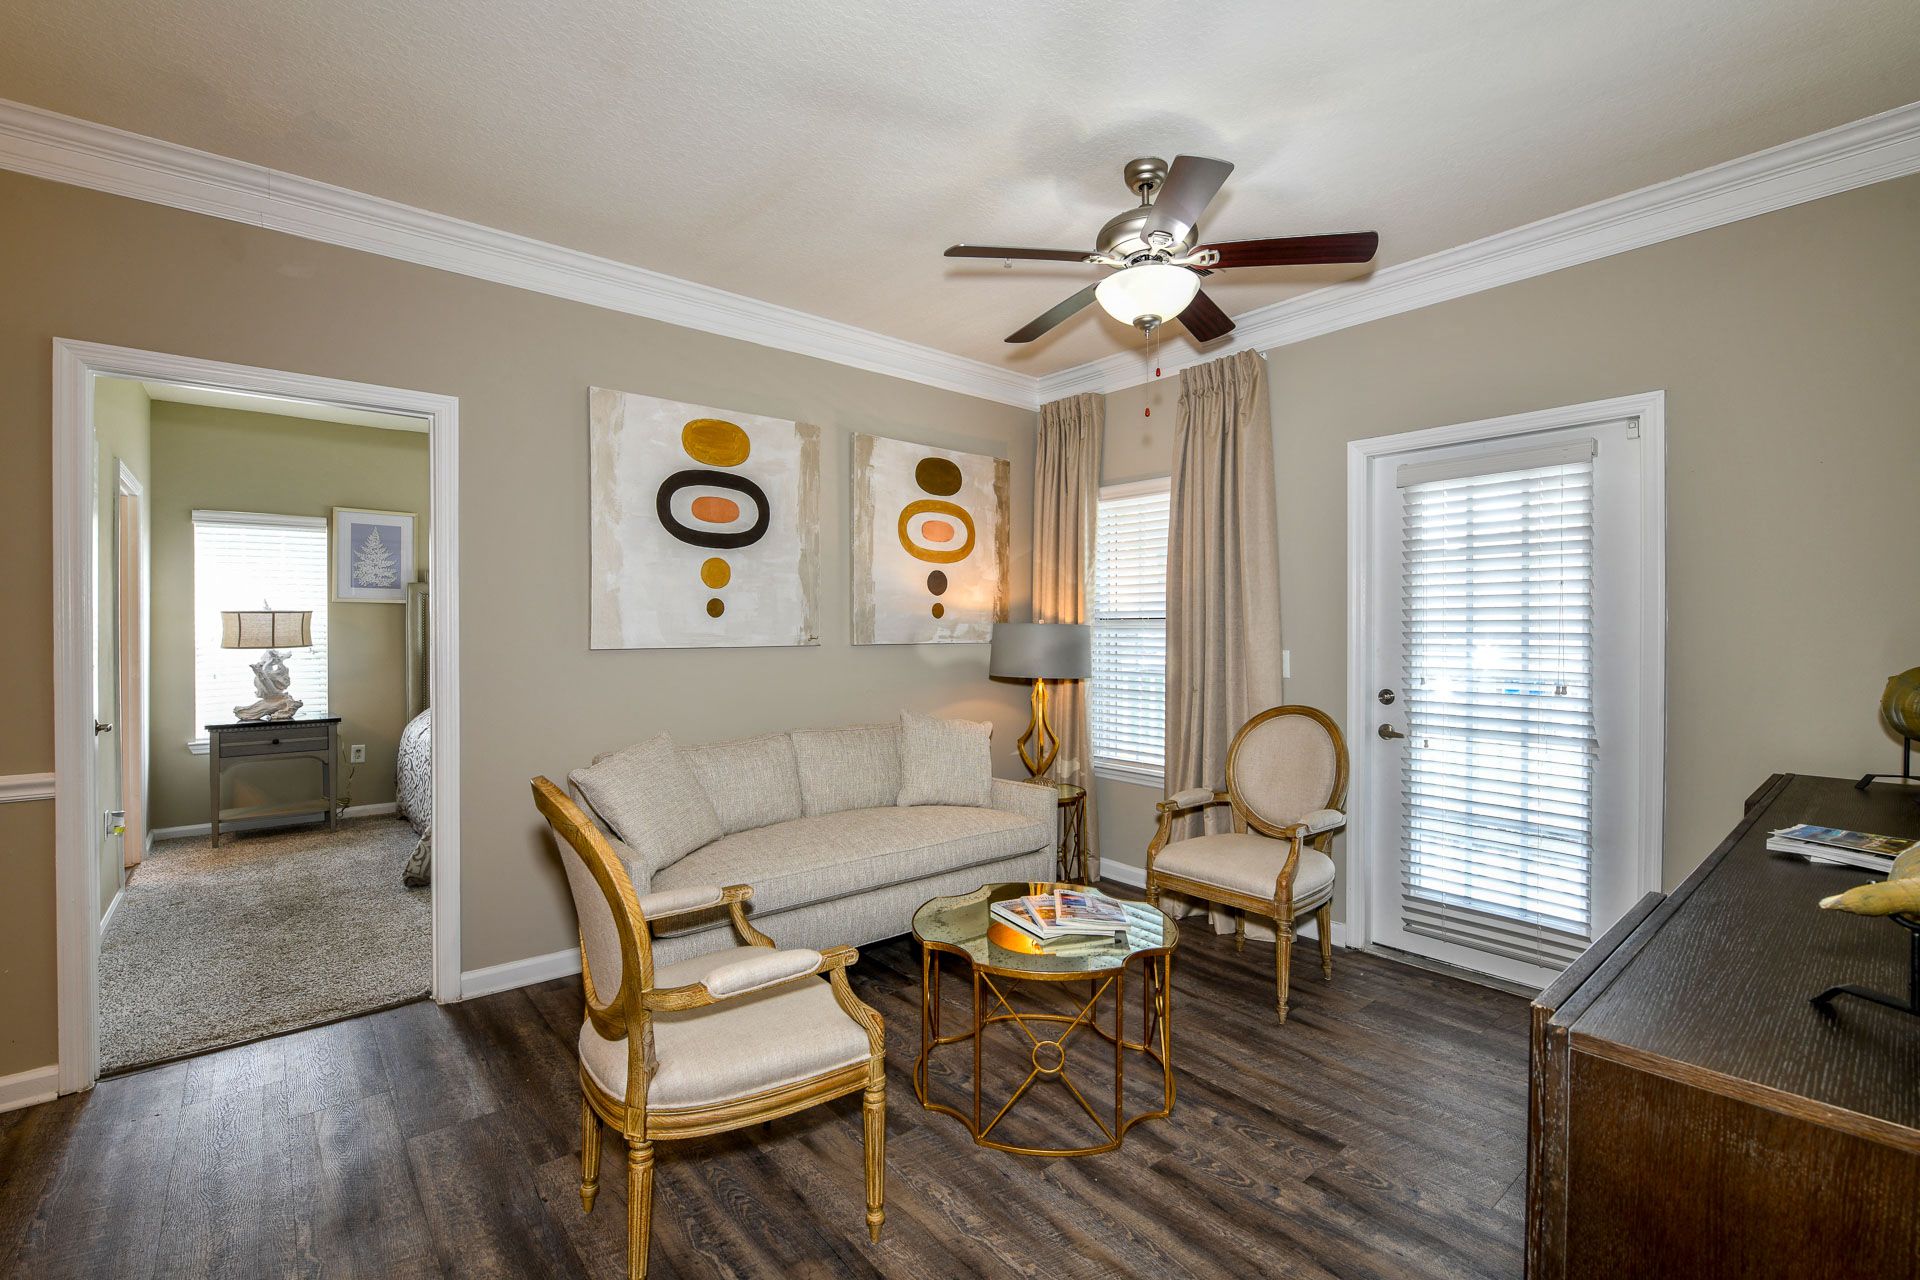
column 45, row 144
column 18, row 787
column 76, row 367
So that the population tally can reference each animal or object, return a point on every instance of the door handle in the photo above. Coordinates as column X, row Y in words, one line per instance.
column 1388, row 732
column 101, row 726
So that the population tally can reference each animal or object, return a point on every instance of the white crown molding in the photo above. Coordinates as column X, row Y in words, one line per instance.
column 16, row 787
column 64, row 149
column 1867, row 151
column 44, row 144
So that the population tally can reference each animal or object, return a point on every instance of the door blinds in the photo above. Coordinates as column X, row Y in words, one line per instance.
column 1499, row 760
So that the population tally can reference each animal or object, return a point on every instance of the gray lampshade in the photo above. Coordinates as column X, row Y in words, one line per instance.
column 266, row 628
column 1041, row 651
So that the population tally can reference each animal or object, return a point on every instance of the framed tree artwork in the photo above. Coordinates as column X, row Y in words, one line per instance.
column 930, row 529
column 372, row 555
column 705, row 525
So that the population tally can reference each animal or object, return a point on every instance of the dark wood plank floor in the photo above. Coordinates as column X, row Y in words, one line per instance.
column 1380, row 1133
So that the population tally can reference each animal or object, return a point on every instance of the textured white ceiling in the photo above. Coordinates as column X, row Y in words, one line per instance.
column 821, row 155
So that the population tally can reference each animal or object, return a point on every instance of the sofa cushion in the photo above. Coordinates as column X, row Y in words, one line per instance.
column 852, row 768
column 945, row 762
column 650, row 797
column 751, row 781
column 813, row 859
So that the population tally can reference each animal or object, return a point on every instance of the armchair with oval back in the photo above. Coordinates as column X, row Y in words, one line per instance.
column 720, row 1041
column 1286, row 780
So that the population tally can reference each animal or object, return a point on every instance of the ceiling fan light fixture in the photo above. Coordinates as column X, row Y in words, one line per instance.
column 1147, row 292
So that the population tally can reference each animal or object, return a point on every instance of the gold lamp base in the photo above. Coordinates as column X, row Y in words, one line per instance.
column 1046, row 743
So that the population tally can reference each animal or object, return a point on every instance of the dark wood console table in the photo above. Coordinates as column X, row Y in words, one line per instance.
column 1692, row 1114
column 311, row 738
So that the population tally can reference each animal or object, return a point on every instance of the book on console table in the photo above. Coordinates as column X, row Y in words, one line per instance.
column 1858, row 849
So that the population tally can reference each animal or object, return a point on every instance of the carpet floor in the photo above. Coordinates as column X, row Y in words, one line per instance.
column 268, row 933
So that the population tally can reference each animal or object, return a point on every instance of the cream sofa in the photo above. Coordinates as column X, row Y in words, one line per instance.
column 809, row 820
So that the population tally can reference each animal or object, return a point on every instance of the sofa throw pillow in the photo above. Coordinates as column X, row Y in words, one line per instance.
column 649, row 796
column 945, row 761
column 751, row 781
column 852, row 768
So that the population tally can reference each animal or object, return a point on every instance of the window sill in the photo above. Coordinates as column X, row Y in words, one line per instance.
column 1137, row 774
column 199, row 746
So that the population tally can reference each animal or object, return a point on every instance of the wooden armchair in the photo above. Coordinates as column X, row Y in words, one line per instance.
column 716, row 1042
column 1286, row 781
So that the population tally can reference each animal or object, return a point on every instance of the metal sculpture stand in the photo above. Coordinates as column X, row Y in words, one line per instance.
column 1824, row 1001
column 1904, row 777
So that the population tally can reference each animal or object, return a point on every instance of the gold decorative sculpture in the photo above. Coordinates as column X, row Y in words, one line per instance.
column 1897, row 897
column 1900, row 712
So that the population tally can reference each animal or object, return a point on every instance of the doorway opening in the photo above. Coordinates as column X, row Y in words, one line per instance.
column 258, row 830
column 1506, row 686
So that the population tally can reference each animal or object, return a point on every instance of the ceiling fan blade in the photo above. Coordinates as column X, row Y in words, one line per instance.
column 1047, row 319
column 1205, row 320
column 1297, row 251
column 1191, row 185
column 1036, row 255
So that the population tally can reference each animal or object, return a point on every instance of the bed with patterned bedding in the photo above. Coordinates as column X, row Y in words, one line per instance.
column 413, row 792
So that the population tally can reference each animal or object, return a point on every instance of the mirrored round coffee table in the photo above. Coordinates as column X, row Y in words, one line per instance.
column 957, row 926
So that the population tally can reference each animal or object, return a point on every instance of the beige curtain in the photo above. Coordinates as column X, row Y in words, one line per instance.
column 1066, row 489
column 1223, row 575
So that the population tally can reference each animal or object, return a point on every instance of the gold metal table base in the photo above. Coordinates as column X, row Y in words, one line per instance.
column 1048, row 1052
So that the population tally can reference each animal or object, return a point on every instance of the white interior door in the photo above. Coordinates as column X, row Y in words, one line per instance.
column 1506, row 800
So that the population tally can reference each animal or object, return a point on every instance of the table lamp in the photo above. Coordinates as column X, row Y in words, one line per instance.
column 272, row 630
column 1040, row 651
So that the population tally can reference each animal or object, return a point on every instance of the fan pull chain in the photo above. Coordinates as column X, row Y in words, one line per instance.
column 1153, row 335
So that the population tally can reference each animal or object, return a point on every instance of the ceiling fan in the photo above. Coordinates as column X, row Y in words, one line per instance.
column 1157, row 259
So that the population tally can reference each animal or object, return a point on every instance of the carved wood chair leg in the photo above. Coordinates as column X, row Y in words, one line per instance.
column 639, row 1205
column 589, row 1154
column 1283, row 964
column 875, row 1113
column 1323, row 924
column 1240, row 932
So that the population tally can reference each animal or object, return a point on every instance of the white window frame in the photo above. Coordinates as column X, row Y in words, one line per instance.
column 198, row 743
column 1113, row 768
column 1645, row 744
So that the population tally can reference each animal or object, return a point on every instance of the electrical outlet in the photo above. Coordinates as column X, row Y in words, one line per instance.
column 357, row 753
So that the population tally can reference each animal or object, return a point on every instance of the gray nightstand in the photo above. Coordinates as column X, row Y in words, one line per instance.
column 304, row 738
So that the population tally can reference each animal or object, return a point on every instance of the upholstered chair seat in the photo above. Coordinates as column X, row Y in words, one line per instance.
column 1286, row 779
column 1249, row 864
column 776, row 1036
column 721, row 1040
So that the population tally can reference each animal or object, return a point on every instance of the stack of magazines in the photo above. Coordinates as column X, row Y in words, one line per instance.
column 1844, row 848
column 1062, row 920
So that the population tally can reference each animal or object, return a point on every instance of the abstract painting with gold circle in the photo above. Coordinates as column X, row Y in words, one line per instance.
column 706, row 525
column 930, row 529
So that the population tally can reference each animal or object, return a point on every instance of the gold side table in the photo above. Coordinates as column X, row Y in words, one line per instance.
column 957, row 926
column 1071, row 853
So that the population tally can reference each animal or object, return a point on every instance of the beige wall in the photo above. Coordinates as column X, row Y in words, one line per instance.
column 230, row 460
column 84, row 265
column 1785, row 345
column 122, row 435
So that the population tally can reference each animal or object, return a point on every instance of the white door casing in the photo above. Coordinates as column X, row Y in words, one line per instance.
column 76, row 367
column 1629, row 681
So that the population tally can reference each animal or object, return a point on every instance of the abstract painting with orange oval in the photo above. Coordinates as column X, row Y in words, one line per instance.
column 705, row 525
column 930, row 529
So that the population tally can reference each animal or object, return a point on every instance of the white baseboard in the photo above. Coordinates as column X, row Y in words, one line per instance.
column 268, row 824
column 1137, row 877
column 118, row 897
column 25, row 1088
column 519, row 973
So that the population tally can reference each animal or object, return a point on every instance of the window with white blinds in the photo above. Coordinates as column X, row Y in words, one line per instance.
column 1498, row 770
column 1129, row 690
column 246, row 560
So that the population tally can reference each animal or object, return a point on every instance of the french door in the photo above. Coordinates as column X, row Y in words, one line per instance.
column 1511, row 740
